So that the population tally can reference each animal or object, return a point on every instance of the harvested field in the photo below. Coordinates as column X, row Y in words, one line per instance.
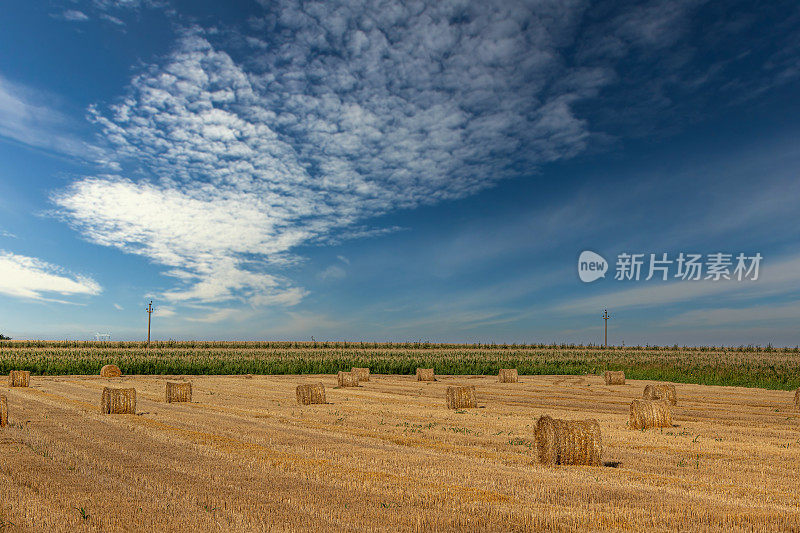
column 390, row 457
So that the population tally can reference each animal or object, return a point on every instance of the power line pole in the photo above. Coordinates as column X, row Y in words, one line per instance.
column 149, row 310
column 605, row 321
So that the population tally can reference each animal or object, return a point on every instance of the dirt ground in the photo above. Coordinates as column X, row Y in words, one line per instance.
column 389, row 456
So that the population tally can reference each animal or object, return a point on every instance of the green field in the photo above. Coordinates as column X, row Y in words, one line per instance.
column 746, row 366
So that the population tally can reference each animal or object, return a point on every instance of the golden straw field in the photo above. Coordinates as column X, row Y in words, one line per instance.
column 389, row 456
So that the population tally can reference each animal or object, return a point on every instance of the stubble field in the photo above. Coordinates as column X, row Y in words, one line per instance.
column 388, row 456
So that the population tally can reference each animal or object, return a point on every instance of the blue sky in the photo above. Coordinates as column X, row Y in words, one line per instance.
column 397, row 171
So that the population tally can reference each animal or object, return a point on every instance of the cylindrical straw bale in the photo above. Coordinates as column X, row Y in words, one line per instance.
column 3, row 411
column 110, row 371
column 660, row 391
column 614, row 377
column 362, row 373
column 650, row 414
column 508, row 375
column 425, row 374
column 118, row 401
column 461, row 397
column 347, row 379
column 311, row 393
column 797, row 398
column 568, row 442
column 19, row 378
column 178, row 391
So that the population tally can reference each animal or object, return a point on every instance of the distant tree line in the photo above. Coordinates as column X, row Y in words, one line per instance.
column 4, row 338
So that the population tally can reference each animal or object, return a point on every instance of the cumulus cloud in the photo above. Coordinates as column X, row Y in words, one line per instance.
column 33, row 279
column 320, row 116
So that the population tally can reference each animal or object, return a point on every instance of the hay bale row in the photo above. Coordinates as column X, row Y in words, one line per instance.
column 311, row 394
column 508, row 375
column 178, row 391
column 660, row 391
column 650, row 414
column 3, row 411
column 347, row 379
column 118, row 401
column 110, row 371
column 362, row 373
column 19, row 378
column 425, row 374
column 461, row 397
column 614, row 377
column 568, row 442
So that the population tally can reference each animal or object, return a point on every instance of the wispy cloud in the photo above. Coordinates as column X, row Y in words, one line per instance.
column 301, row 145
column 332, row 272
column 25, row 117
column 778, row 278
column 220, row 315
column 118, row 307
column 731, row 316
column 328, row 114
column 33, row 279
column 73, row 15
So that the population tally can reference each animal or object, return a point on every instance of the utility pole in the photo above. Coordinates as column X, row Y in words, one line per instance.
column 149, row 310
column 605, row 321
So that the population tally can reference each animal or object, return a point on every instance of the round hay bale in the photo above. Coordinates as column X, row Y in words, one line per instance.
column 650, row 414
column 110, row 371
column 311, row 394
column 19, row 378
column 3, row 411
column 614, row 377
column 116, row 401
column 178, row 391
column 362, row 373
column 347, row 379
column 508, row 375
column 797, row 398
column 461, row 397
column 568, row 442
column 660, row 391
column 426, row 374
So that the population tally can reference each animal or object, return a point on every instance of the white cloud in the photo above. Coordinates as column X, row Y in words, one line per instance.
column 333, row 272
column 164, row 311
column 219, row 316
column 30, row 278
column 74, row 15
column 118, row 307
column 25, row 117
column 335, row 114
